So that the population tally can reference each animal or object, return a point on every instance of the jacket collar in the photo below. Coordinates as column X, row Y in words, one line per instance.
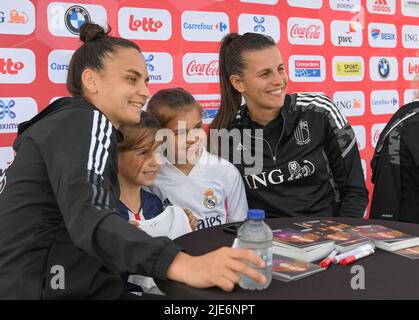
column 289, row 110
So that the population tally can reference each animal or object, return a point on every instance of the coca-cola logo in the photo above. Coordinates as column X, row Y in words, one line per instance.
column 203, row 69
column 413, row 68
column 306, row 32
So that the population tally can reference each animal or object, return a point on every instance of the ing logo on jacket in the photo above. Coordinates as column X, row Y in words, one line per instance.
column 296, row 170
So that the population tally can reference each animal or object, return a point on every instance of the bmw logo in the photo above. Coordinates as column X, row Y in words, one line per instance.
column 383, row 68
column 75, row 17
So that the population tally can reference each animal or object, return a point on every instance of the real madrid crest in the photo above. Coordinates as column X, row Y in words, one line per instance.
column 210, row 200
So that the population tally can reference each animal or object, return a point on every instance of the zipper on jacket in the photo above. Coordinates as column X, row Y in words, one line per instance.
column 267, row 142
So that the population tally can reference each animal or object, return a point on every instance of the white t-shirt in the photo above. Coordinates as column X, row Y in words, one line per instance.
column 213, row 190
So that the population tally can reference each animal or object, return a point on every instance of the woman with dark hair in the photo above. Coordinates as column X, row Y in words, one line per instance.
column 306, row 160
column 60, row 232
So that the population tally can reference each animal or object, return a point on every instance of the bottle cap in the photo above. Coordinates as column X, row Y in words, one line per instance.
column 256, row 214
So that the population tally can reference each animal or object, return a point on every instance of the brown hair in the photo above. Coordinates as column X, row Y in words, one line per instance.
column 231, row 60
column 97, row 45
column 174, row 99
column 141, row 135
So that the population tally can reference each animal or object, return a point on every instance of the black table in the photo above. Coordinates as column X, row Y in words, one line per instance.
column 387, row 275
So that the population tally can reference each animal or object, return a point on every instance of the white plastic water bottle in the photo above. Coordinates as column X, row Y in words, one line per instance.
column 256, row 236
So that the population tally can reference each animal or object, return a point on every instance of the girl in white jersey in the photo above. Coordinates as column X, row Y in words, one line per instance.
column 210, row 187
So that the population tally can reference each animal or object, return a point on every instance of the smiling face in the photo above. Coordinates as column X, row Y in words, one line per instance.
column 188, row 135
column 263, row 82
column 121, row 88
column 139, row 166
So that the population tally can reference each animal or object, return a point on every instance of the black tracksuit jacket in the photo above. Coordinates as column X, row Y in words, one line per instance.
column 313, row 169
column 59, row 211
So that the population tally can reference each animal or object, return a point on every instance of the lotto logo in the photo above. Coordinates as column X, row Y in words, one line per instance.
column 8, row 66
column 143, row 23
column 17, row 65
column 146, row 24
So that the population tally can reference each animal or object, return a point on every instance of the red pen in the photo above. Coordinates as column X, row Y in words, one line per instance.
column 329, row 259
column 353, row 258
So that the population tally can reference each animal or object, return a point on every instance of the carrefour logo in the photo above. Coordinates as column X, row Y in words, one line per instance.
column 382, row 35
column 264, row 24
column 143, row 23
column 204, row 26
column 58, row 63
column 14, row 111
column 384, row 101
column 160, row 66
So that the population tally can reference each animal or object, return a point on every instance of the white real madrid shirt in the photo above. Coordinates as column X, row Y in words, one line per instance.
column 213, row 190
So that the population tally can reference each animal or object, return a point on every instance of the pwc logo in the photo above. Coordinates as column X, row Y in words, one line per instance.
column 14, row 111
column 264, row 24
column 204, row 26
column 346, row 33
column 382, row 6
column 65, row 19
column 345, row 5
column 360, row 135
column 159, row 66
column 305, row 31
column 17, row 66
column 17, row 17
column 201, row 67
column 350, row 103
column 146, row 24
column 410, row 68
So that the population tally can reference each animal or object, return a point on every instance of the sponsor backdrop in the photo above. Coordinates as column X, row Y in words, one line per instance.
column 362, row 53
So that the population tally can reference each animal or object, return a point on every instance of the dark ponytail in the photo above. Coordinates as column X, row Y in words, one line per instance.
column 97, row 45
column 233, row 46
